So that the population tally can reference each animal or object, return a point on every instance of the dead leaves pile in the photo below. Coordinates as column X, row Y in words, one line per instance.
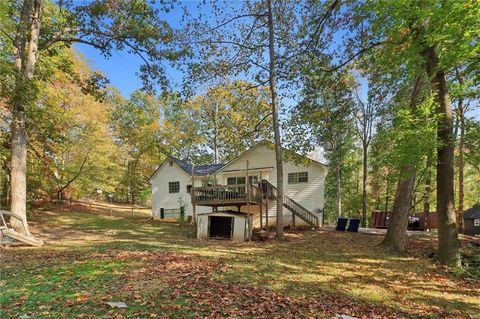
column 186, row 284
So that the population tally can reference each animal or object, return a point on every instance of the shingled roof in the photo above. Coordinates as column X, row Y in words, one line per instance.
column 200, row 170
column 209, row 169
column 472, row 213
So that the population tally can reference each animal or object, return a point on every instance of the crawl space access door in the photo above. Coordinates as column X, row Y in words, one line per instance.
column 221, row 227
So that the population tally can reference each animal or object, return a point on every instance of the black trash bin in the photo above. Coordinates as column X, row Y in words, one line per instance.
column 341, row 224
column 353, row 225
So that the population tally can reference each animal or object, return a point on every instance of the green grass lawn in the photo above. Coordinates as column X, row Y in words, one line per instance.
column 160, row 271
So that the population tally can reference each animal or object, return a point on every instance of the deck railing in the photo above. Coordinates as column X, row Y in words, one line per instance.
column 219, row 194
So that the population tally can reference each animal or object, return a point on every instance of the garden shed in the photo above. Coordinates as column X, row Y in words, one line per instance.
column 471, row 220
column 224, row 225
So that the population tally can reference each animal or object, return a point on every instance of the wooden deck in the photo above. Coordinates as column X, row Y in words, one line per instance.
column 227, row 195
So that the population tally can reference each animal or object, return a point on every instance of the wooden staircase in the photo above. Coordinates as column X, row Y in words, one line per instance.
column 270, row 193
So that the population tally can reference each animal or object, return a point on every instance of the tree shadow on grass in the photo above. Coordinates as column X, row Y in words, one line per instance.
column 362, row 271
column 308, row 263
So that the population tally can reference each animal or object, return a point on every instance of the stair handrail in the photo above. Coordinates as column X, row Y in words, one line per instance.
column 300, row 210
column 305, row 214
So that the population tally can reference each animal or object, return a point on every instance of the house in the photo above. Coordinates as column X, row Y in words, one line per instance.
column 221, row 190
column 471, row 221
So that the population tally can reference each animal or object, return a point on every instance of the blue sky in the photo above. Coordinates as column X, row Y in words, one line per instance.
column 121, row 68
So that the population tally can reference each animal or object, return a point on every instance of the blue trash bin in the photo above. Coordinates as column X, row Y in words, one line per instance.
column 341, row 224
column 353, row 225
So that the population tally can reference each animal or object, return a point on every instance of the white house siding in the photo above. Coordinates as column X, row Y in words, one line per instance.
column 261, row 163
column 161, row 198
column 310, row 195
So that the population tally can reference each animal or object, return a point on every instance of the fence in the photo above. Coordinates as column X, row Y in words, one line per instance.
column 164, row 213
column 108, row 209
column 416, row 221
column 171, row 213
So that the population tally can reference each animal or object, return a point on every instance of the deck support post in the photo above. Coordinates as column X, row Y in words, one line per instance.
column 293, row 221
column 266, row 213
column 250, row 226
column 261, row 217
column 192, row 194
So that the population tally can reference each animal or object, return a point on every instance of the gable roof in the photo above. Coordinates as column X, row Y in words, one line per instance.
column 200, row 170
column 472, row 213
column 184, row 165
column 266, row 143
column 209, row 169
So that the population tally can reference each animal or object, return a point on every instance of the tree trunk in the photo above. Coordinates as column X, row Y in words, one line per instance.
column 461, row 168
column 338, row 185
column 215, row 134
column 448, row 244
column 428, row 186
column 357, row 178
column 276, row 128
column 398, row 222
column 60, row 191
column 25, row 60
column 461, row 162
column 133, row 188
column 19, row 168
column 364, row 185
column 387, row 197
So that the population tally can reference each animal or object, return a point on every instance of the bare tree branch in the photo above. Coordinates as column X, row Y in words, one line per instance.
column 232, row 43
column 352, row 57
column 321, row 23
column 76, row 175
column 258, row 124
column 8, row 35
column 236, row 18
column 78, row 40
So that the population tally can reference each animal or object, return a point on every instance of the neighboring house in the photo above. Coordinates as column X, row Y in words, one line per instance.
column 224, row 185
column 471, row 220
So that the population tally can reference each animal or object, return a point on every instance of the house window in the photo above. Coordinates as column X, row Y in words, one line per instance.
column 295, row 178
column 303, row 177
column 253, row 179
column 476, row 222
column 236, row 180
column 173, row 187
column 207, row 182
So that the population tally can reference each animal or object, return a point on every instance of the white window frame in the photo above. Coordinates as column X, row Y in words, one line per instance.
column 476, row 222
column 170, row 184
column 294, row 178
column 253, row 179
column 236, row 180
